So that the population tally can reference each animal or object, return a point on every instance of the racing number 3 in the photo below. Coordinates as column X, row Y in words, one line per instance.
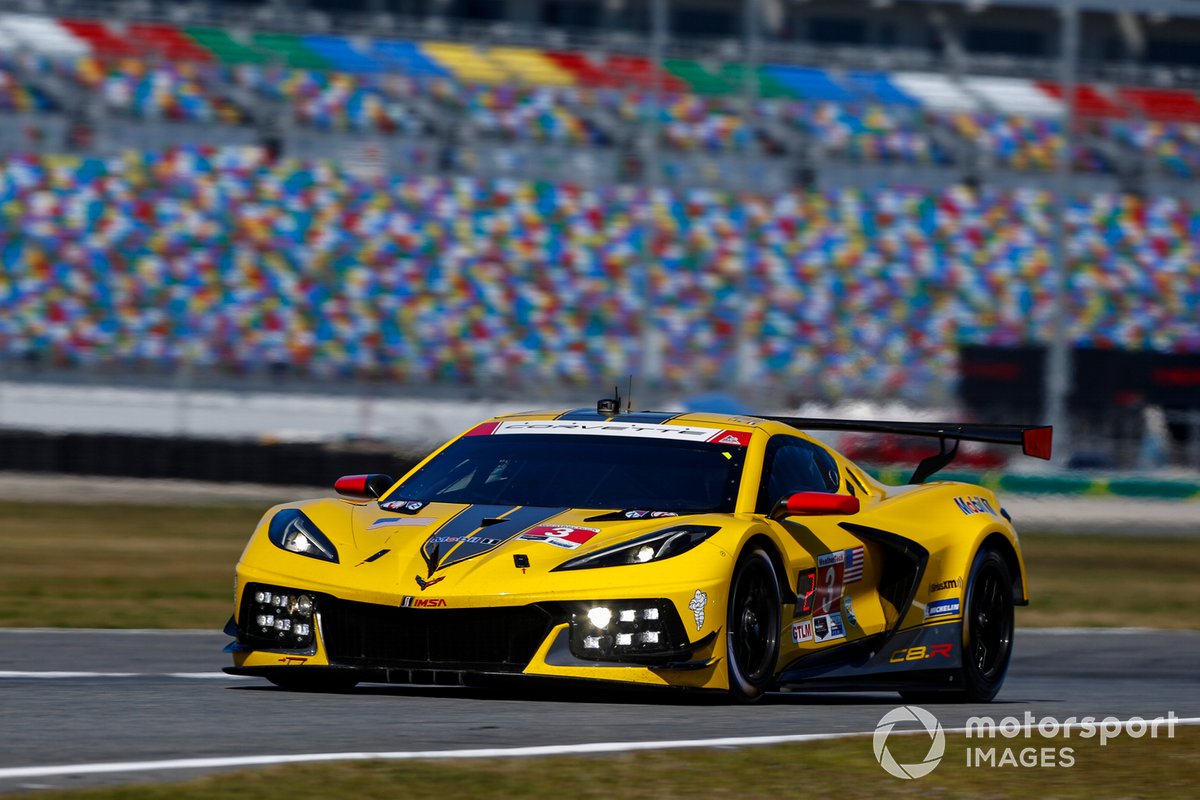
column 829, row 588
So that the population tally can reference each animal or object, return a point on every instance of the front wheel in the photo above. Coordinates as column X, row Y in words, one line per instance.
column 753, row 624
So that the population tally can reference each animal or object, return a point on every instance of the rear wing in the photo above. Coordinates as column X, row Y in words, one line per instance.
column 1035, row 440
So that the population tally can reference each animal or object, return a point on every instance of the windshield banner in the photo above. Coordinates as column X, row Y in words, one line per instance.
column 680, row 433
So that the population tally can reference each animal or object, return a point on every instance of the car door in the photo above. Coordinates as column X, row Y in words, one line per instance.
column 836, row 600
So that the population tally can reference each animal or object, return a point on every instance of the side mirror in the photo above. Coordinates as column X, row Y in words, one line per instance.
column 811, row 504
column 363, row 487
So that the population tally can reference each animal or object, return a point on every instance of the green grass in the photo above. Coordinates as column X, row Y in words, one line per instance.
column 1125, row 767
column 126, row 566
column 1111, row 581
column 113, row 566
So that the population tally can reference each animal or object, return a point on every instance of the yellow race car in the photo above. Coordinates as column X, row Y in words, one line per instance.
column 697, row 551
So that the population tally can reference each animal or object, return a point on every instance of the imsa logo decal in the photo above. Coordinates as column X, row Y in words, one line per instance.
column 423, row 602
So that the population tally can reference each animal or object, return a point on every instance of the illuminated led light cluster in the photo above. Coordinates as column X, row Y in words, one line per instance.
column 615, row 630
column 291, row 530
column 283, row 617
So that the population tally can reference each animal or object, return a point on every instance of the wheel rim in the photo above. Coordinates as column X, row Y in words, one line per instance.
column 755, row 624
column 991, row 623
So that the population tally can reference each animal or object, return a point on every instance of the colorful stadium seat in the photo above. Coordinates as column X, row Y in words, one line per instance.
column 764, row 85
column 42, row 35
column 1014, row 96
column 936, row 92
column 169, row 42
column 466, row 63
column 531, row 67
column 406, row 58
column 810, row 83
column 640, row 72
column 586, row 71
column 102, row 40
column 341, row 54
column 289, row 50
column 1090, row 101
column 700, row 79
column 1162, row 104
column 878, row 87
column 225, row 47
column 217, row 257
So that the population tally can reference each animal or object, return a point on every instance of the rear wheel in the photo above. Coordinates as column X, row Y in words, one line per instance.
column 752, row 630
column 987, row 633
column 298, row 681
column 988, row 627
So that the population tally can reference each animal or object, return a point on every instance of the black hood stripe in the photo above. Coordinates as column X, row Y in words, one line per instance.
column 466, row 536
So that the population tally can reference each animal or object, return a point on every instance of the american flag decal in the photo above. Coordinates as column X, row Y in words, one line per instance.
column 854, row 565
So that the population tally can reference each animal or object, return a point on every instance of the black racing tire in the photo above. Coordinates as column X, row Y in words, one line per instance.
column 988, row 627
column 753, row 624
column 295, row 681
column 987, row 634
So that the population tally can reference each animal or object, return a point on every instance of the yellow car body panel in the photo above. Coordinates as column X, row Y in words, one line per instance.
column 447, row 560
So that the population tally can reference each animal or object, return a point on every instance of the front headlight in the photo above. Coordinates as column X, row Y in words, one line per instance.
column 276, row 617
column 627, row 630
column 292, row 531
column 644, row 549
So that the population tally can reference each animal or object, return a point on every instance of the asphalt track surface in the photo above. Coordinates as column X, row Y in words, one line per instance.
column 139, row 697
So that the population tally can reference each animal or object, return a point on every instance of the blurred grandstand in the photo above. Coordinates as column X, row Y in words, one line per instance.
column 823, row 201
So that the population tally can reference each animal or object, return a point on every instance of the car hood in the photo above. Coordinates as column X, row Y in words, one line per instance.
column 413, row 546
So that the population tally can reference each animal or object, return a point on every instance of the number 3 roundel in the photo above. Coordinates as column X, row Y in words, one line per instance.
column 568, row 537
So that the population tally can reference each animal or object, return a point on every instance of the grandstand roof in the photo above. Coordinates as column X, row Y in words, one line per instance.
column 1178, row 8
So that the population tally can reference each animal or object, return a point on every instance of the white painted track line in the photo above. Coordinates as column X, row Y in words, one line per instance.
column 67, row 675
column 500, row 752
column 119, row 631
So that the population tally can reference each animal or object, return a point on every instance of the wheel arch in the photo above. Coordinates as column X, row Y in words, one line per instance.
column 787, row 595
column 1016, row 567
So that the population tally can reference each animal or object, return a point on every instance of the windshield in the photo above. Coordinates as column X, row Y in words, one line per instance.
column 566, row 471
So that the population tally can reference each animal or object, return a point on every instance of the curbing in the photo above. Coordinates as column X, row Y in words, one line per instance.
column 1139, row 488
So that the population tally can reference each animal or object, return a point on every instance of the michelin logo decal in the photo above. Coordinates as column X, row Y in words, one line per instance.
column 942, row 608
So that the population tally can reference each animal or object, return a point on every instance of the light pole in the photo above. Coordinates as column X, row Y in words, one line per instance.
column 651, row 360
column 1058, row 363
column 745, row 357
